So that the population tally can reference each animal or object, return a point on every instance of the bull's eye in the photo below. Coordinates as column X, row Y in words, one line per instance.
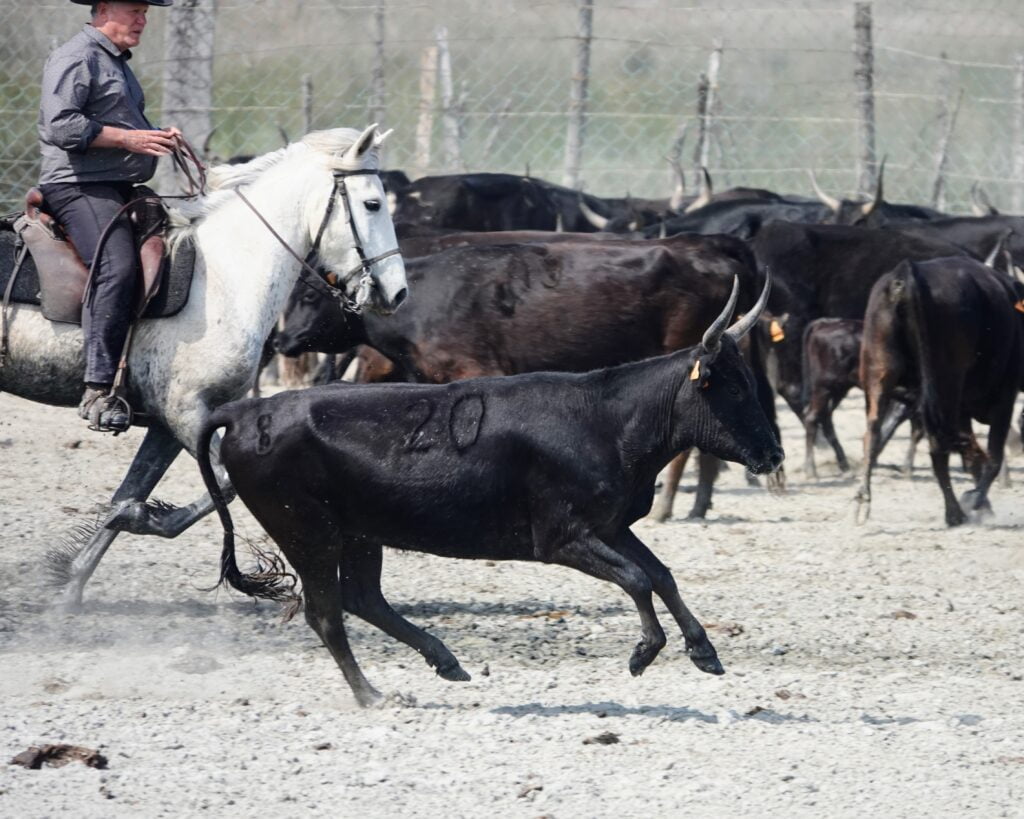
column 372, row 205
column 734, row 391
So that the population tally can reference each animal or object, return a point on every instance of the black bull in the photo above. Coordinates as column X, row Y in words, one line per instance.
column 561, row 305
column 947, row 330
column 548, row 467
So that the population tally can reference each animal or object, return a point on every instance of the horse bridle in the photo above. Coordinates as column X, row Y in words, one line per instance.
column 324, row 283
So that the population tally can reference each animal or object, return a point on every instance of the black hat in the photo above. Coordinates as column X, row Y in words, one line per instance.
column 150, row 2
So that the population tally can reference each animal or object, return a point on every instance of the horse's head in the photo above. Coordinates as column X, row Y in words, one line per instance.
column 352, row 230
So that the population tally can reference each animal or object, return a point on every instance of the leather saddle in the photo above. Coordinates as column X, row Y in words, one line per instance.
column 63, row 276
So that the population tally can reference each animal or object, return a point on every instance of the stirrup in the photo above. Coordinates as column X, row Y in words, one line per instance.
column 106, row 412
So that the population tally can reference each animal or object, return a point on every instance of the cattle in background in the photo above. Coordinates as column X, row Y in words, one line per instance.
column 562, row 305
column 982, row 237
column 505, row 202
column 742, row 217
column 874, row 213
column 476, row 201
column 831, row 369
column 947, row 329
column 826, row 271
column 545, row 467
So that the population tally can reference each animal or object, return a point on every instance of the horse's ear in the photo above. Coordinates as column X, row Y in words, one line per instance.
column 379, row 138
column 363, row 144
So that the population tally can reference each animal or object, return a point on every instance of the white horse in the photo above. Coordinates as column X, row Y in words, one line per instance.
column 324, row 188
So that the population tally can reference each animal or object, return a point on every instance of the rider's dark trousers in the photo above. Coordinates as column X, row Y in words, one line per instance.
column 84, row 210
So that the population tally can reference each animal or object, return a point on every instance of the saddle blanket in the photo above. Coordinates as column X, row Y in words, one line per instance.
column 169, row 299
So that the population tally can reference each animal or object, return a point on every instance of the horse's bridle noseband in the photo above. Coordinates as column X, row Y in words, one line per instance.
column 316, row 278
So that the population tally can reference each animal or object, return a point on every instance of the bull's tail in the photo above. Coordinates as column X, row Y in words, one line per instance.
column 916, row 324
column 270, row 580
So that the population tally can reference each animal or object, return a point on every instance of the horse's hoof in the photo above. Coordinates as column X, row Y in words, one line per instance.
column 643, row 655
column 453, row 672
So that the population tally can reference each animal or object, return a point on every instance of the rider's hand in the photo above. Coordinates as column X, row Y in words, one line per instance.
column 154, row 143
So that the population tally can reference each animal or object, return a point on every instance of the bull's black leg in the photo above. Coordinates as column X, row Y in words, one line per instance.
column 916, row 434
column 662, row 510
column 595, row 558
column 360, row 588
column 321, row 592
column 708, row 471
column 940, row 466
column 977, row 499
column 698, row 646
column 158, row 450
column 830, row 435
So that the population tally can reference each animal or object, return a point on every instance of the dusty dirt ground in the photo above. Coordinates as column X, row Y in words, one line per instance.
column 871, row 670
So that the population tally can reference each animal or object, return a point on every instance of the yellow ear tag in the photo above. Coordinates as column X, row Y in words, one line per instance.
column 695, row 372
column 1019, row 306
column 776, row 330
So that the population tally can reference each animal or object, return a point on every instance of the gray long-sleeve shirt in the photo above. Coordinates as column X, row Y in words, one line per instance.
column 87, row 84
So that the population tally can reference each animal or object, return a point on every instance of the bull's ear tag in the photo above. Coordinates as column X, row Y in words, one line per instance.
column 695, row 372
column 332, row 279
column 1019, row 306
column 776, row 331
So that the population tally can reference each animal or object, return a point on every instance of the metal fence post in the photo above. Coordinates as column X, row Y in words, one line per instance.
column 1018, row 136
column 578, row 94
column 864, row 80
column 188, row 75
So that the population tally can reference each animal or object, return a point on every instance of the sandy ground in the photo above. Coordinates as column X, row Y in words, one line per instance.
column 871, row 670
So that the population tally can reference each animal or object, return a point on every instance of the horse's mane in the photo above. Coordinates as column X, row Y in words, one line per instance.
column 327, row 147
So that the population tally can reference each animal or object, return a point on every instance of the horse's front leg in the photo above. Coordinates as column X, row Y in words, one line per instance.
column 165, row 520
column 74, row 566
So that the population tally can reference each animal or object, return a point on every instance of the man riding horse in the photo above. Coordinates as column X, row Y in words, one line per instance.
column 97, row 144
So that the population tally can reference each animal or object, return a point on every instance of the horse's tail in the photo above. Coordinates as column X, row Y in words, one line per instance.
column 271, row 578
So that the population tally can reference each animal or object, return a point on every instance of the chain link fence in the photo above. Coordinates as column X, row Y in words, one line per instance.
column 499, row 85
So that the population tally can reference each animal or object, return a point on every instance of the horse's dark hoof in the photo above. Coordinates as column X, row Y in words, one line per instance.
column 707, row 660
column 453, row 672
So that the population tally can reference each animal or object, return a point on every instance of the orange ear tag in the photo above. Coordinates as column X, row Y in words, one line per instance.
column 695, row 372
column 1019, row 306
column 776, row 331
column 332, row 278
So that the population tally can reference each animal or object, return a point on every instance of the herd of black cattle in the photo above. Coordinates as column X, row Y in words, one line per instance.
column 560, row 350
column 513, row 274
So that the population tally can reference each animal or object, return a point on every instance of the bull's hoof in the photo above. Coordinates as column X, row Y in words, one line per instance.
column 643, row 655
column 971, row 499
column 368, row 697
column 955, row 517
column 698, row 512
column 709, row 664
column 660, row 513
column 453, row 672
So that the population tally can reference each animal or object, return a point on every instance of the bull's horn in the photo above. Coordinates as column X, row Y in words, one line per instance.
column 713, row 335
column 704, row 197
column 990, row 260
column 362, row 144
column 559, row 223
column 742, row 327
column 596, row 219
column 828, row 201
column 868, row 207
column 662, row 230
